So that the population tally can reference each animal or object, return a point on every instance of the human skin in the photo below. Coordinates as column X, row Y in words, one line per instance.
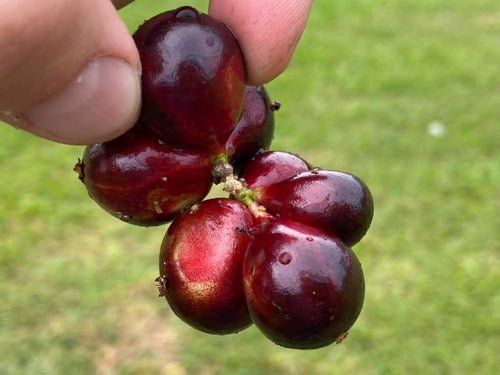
column 70, row 71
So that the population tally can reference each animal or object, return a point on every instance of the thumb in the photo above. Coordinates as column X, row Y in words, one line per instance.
column 70, row 70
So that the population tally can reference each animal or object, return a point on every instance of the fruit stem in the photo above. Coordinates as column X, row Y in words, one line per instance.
column 222, row 169
column 245, row 196
column 221, row 158
column 234, row 186
column 238, row 191
column 258, row 212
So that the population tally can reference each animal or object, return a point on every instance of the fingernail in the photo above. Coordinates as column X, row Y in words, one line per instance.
column 100, row 104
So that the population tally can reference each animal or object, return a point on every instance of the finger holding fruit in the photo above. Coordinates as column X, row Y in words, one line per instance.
column 71, row 72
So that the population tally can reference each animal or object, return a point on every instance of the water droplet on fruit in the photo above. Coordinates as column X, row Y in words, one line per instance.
column 164, row 179
column 310, row 239
column 186, row 13
column 285, row 258
column 210, row 41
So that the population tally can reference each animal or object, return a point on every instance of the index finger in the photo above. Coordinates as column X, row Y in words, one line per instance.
column 268, row 32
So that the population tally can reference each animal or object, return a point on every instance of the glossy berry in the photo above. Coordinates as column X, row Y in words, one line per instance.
column 271, row 167
column 255, row 129
column 143, row 181
column 335, row 201
column 304, row 287
column 201, row 266
column 193, row 78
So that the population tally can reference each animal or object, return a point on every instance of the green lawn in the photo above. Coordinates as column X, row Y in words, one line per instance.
column 404, row 94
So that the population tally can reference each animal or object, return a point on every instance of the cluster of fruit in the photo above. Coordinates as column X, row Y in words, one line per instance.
column 275, row 252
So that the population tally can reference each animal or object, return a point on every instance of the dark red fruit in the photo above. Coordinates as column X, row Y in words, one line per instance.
column 255, row 129
column 193, row 78
column 271, row 167
column 142, row 181
column 335, row 201
column 201, row 266
column 304, row 287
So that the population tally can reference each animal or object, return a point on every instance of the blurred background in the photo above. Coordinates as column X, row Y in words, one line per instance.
column 403, row 93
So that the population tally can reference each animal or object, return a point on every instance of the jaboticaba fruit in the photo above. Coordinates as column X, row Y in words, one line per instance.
column 193, row 78
column 304, row 287
column 201, row 266
column 335, row 201
column 271, row 167
column 255, row 129
column 143, row 181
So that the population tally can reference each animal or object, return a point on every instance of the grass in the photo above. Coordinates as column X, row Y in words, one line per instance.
column 367, row 82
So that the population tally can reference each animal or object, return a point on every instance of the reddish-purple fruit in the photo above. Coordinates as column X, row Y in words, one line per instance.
column 201, row 264
column 193, row 78
column 304, row 287
column 271, row 167
column 255, row 129
column 335, row 201
column 143, row 181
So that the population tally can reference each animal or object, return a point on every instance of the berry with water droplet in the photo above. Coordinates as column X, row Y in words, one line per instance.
column 334, row 201
column 193, row 78
column 302, row 294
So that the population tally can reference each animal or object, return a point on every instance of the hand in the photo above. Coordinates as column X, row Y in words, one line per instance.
column 70, row 71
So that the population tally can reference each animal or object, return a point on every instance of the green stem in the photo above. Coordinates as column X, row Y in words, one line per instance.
column 245, row 196
column 238, row 190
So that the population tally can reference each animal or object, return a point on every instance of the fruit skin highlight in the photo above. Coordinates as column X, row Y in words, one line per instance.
column 304, row 287
column 193, row 78
column 142, row 181
column 335, row 201
column 271, row 167
column 201, row 266
column 255, row 129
